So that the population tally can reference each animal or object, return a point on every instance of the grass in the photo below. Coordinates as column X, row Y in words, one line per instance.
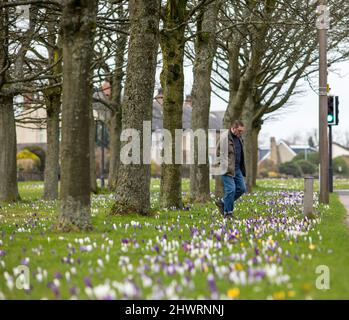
column 270, row 251
column 298, row 184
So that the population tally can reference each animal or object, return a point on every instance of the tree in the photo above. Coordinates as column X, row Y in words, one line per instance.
column 78, row 25
column 340, row 166
column 273, row 52
column 205, row 46
column 52, row 97
column 133, row 187
column 114, row 123
column 290, row 168
column 8, row 164
column 306, row 166
column 172, row 41
column 311, row 142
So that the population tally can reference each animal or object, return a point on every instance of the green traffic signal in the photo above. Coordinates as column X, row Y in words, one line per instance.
column 332, row 110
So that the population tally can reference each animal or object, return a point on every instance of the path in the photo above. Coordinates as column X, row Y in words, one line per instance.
column 344, row 198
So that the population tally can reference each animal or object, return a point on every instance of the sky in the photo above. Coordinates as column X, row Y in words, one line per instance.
column 302, row 116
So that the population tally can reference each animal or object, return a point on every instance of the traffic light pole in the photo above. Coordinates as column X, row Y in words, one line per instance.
column 330, row 159
column 323, row 142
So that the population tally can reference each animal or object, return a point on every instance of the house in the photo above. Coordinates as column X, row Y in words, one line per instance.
column 30, row 124
column 281, row 152
column 338, row 150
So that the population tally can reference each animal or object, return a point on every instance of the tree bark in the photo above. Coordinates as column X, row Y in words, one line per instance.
column 172, row 81
column 219, row 188
column 252, row 128
column 255, row 132
column 115, row 147
column 53, row 106
column 52, row 98
column 92, row 141
column 8, row 145
column 78, row 23
column 201, row 97
column 116, row 102
column 133, row 187
column 8, row 150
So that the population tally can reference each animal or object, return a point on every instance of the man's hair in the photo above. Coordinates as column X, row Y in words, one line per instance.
column 237, row 123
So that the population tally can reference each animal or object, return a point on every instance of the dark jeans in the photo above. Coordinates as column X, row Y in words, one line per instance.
column 234, row 188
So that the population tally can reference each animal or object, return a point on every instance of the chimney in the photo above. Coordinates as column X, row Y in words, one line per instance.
column 274, row 152
column 160, row 97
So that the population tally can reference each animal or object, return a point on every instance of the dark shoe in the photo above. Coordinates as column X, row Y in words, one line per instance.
column 220, row 206
column 228, row 215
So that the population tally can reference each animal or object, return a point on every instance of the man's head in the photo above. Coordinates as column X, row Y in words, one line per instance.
column 237, row 128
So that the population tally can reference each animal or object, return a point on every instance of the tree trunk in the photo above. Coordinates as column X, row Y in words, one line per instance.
column 201, row 95
column 78, row 23
column 172, row 80
column 133, row 187
column 92, row 139
column 53, row 105
column 247, row 118
column 115, row 120
column 8, row 150
column 255, row 133
column 219, row 188
column 252, row 128
column 8, row 144
column 114, row 134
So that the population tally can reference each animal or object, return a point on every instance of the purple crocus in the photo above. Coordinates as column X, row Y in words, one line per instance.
column 124, row 241
column 88, row 282
column 73, row 291
column 58, row 275
column 212, row 286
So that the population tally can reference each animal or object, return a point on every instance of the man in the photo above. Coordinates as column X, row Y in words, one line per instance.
column 233, row 178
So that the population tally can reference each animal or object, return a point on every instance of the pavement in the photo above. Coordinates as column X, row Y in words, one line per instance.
column 344, row 198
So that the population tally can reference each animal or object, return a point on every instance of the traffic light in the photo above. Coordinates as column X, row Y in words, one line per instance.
column 332, row 110
column 336, row 109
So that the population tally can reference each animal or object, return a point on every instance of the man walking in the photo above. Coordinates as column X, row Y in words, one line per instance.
column 233, row 178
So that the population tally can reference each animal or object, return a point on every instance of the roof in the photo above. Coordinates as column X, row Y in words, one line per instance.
column 341, row 146
column 264, row 152
column 215, row 120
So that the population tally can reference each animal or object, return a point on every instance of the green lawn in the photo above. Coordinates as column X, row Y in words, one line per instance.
column 298, row 184
column 268, row 252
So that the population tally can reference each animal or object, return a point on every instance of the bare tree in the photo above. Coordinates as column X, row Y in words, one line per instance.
column 78, row 24
column 277, row 49
column 52, row 97
column 172, row 42
column 205, row 47
column 133, row 187
column 8, row 167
